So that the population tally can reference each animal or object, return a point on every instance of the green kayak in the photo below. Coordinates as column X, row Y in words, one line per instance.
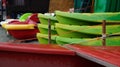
column 87, row 18
column 24, row 17
column 43, row 38
column 65, row 40
column 75, row 31
column 44, row 29
column 44, row 19
column 110, row 41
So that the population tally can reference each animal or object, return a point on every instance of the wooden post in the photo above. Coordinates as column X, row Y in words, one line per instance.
column 92, row 6
column 104, row 33
column 49, row 31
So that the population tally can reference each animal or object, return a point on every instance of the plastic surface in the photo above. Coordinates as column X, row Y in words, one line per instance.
column 66, row 40
column 44, row 29
column 76, row 31
column 107, row 56
column 35, row 55
column 87, row 18
column 36, row 48
column 34, row 17
column 110, row 41
column 25, row 16
column 23, row 29
column 43, row 38
column 44, row 19
column 18, row 26
column 23, row 34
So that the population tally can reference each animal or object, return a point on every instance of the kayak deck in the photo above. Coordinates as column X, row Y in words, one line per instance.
column 107, row 56
column 35, row 55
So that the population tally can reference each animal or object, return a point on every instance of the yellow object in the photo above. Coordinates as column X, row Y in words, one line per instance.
column 3, row 25
column 18, row 26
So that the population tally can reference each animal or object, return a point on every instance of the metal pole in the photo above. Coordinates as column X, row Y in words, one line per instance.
column 49, row 31
column 104, row 33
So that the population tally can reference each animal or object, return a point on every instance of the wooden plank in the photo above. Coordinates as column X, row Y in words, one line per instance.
column 63, row 5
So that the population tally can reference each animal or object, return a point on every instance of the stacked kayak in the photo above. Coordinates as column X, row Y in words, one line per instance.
column 65, row 40
column 87, row 18
column 75, row 31
column 43, row 38
column 44, row 19
column 43, row 28
column 110, row 41
column 86, row 28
